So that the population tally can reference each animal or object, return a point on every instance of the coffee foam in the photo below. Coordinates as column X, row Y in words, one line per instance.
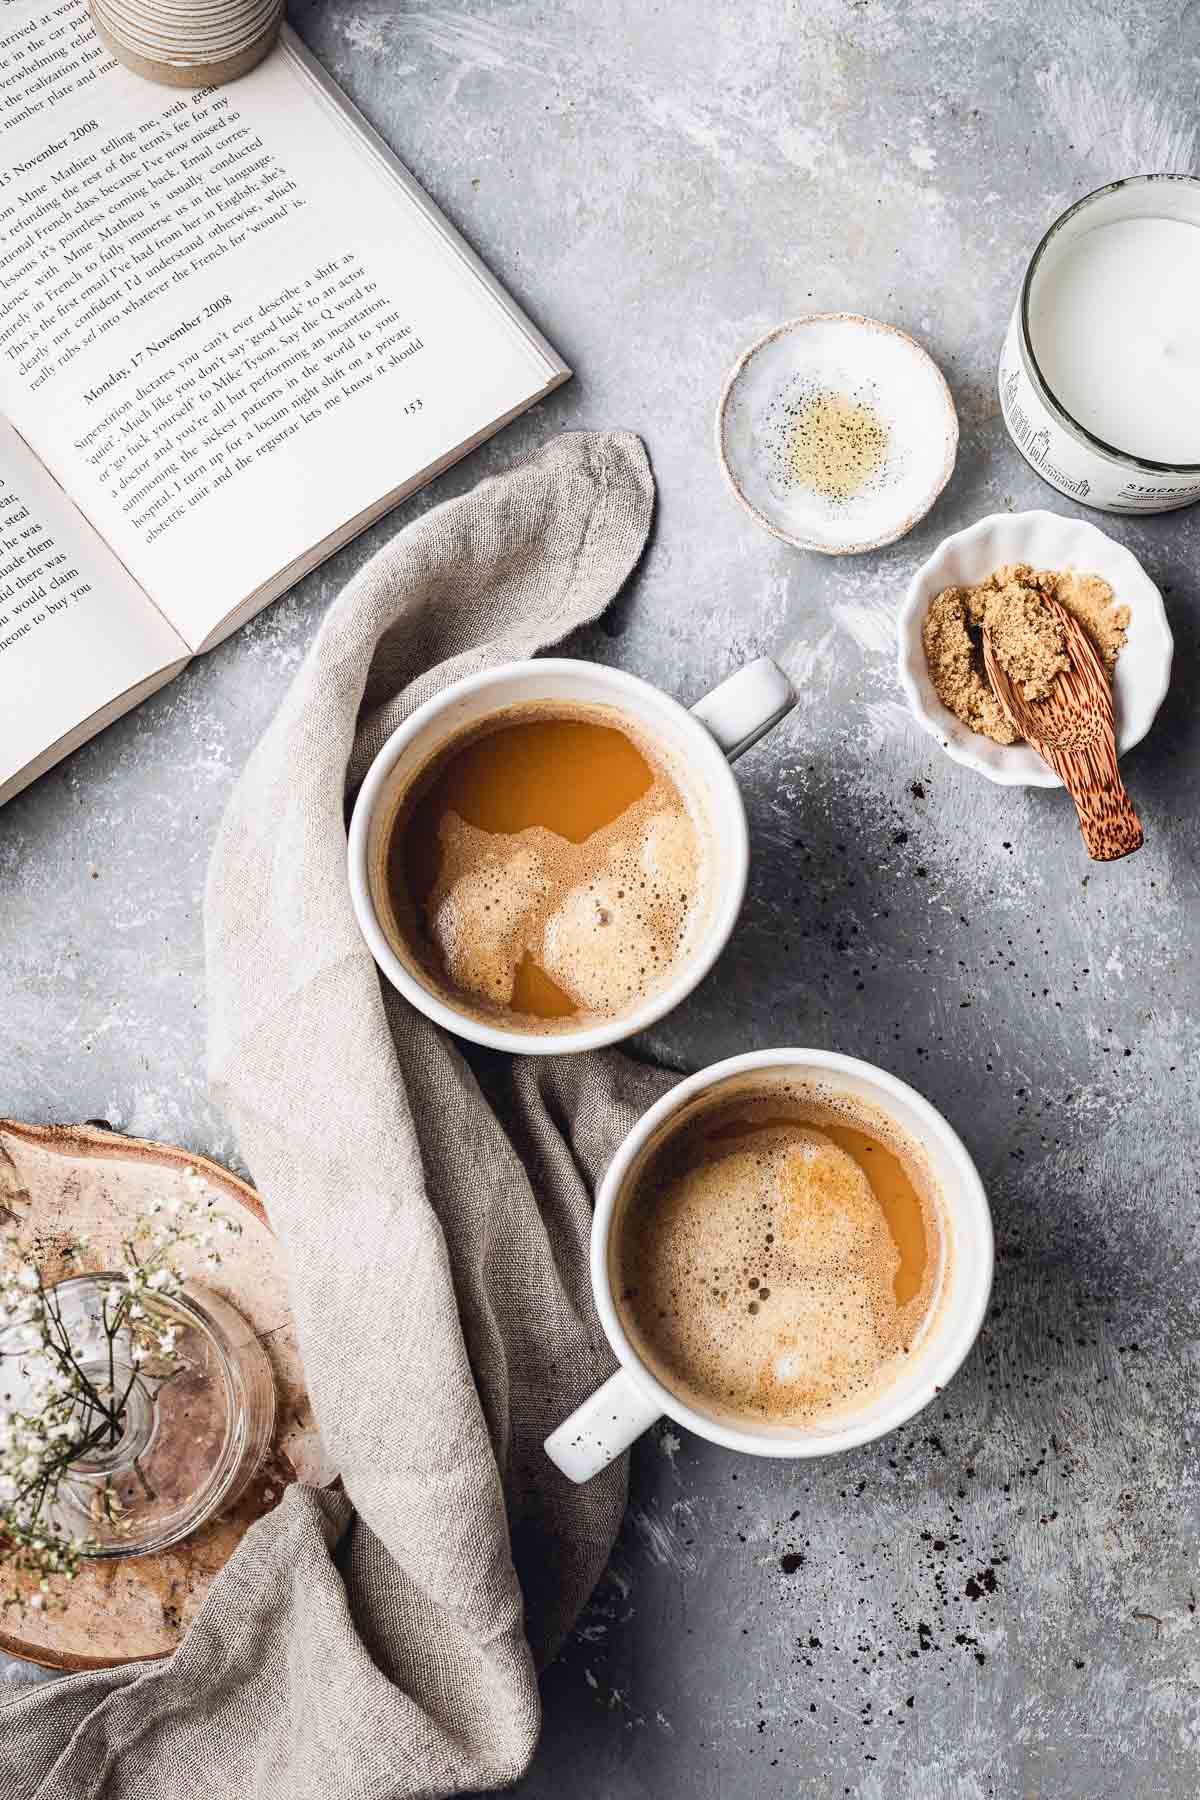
column 613, row 936
column 479, row 911
column 757, row 1277
column 607, row 919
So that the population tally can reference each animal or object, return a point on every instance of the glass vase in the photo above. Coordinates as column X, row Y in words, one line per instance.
column 192, row 1429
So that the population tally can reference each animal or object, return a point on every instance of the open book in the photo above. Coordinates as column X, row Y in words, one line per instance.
column 233, row 332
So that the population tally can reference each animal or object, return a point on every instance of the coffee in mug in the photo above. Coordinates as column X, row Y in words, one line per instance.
column 548, row 855
column 791, row 1255
column 549, row 867
column 779, row 1254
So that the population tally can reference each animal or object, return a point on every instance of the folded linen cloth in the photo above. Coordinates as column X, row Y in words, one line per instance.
column 434, row 1214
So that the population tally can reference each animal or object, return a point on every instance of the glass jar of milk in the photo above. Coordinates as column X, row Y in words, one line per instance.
column 1100, row 371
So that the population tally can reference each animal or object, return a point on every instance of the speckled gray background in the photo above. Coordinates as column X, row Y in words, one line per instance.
column 1000, row 1600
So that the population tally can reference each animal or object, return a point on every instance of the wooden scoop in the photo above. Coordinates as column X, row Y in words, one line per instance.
column 1072, row 729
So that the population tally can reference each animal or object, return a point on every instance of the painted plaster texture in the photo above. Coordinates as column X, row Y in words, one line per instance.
column 1000, row 1600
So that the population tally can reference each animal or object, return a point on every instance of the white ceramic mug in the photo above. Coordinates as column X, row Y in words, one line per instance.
column 633, row 1399
column 703, row 741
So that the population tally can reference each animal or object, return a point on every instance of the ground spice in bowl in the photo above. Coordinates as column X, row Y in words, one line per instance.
column 1026, row 638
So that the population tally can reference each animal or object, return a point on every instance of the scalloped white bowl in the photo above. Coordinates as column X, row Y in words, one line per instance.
column 1047, row 541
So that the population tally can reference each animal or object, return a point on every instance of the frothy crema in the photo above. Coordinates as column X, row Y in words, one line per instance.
column 778, row 1257
column 549, row 866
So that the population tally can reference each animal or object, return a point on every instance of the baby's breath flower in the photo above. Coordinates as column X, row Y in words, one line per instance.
column 62, row 1415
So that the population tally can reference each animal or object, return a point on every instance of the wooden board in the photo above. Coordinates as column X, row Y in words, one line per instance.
column 58, row 1181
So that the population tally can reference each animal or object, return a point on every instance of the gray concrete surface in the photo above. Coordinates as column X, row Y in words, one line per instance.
column 1001, row 1599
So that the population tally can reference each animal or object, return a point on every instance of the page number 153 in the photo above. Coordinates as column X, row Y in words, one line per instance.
column 413, row 406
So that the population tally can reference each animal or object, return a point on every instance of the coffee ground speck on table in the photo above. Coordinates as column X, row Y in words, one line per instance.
column 659, row 192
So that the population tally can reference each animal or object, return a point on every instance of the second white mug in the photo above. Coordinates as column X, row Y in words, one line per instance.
column 632, row 1399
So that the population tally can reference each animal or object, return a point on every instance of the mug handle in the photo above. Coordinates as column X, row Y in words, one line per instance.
column 598, row 1431
column 744, row 707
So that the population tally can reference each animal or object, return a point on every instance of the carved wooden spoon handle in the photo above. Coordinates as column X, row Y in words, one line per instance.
column 1107, row 816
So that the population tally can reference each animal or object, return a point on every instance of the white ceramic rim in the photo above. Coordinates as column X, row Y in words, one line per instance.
column 715, row 777
column 760, row 518
column 909, row 648
column 971, row 1199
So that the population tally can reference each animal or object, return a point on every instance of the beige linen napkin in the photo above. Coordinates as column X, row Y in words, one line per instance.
column 434, row 1217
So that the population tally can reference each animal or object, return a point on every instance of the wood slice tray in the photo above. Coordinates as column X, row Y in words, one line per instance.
column 58, row 1181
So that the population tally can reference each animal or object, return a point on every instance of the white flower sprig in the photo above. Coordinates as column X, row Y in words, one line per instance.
column 63, row 1393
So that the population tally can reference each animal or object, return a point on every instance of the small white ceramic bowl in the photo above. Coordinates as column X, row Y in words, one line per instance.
column 1045, row 540
column 870, row 364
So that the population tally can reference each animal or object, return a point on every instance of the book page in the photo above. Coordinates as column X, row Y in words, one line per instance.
column 226, row 325
column 76, row 634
